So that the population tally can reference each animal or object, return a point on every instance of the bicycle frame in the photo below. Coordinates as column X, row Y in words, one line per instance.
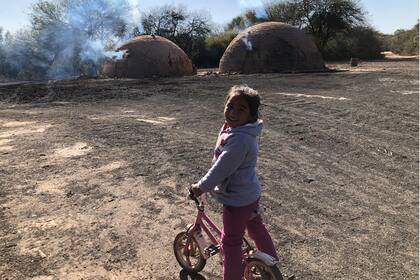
column 200, row 223
column 202, row 240
column 203, row 222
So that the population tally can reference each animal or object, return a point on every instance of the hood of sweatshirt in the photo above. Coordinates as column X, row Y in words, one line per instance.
column 253, row 129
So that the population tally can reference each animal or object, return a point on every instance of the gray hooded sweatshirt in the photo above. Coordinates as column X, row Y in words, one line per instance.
column 232, row 178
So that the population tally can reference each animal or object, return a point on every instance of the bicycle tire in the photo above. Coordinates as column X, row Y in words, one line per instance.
column 257, row 269
column 194, row 264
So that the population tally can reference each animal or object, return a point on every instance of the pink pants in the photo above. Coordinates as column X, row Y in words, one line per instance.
column 235, row 221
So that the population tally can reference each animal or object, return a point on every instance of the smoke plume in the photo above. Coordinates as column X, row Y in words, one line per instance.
column 69, row 38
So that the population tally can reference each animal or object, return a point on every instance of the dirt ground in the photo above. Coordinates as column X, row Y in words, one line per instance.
column 93, row 173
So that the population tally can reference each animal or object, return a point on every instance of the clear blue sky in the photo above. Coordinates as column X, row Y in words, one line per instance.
column 384, row 15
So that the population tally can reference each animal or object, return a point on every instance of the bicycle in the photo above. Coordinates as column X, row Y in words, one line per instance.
column 192, row 248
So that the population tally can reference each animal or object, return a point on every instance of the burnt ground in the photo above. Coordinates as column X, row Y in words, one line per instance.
column 94, row 172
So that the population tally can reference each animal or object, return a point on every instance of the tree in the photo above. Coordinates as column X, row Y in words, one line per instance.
column 70, row 34
column 166, row 21
column 324, row 19
column 248, row 18
column 405, row 42
column 362, row 42
column 45, row 14
column 216, row 45
column 289, row 12
column 19, row 58
column 187, row 30
column 2, row 55
column 95, row 19
column 65, row 35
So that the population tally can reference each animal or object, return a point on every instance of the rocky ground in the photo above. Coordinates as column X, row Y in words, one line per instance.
column 93, row 173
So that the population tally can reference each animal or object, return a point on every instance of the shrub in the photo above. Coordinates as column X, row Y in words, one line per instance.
column 362, row 42
column 216, row 45
column 405, row 42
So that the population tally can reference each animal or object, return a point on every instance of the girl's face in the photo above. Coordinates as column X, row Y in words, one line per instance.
column 237, row 112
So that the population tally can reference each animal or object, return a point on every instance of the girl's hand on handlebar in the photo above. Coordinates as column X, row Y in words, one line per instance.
column 196, row 190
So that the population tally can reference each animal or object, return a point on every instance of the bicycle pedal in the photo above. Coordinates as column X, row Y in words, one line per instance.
column 212, row 250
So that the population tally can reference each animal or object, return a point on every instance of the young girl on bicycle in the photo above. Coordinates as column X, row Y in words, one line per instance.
column 232, row 179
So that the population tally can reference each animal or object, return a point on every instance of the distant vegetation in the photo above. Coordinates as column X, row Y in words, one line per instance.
column 360, row 41
column 68, row 38
column 403, row 42
column 337, row 26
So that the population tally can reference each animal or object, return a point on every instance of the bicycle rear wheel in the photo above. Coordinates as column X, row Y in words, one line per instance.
column 191, row 259
column 256, row 269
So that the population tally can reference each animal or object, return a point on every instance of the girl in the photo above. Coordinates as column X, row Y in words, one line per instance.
column 233, row 181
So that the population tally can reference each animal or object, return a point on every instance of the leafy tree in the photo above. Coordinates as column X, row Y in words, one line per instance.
column 324, row 19
column 362, row 42
column 94, row 19
column 289, row 12
column 70, row 34
column 20, row 59
column 45, row 14
column 2, row 55
column 237, row 24
column 215, row 45
column 248, row 18
column 404, row 42
column 365, row 43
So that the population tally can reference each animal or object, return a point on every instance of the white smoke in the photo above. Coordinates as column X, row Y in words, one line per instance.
column 86, row 34
column 115, row 55
column 247, row 41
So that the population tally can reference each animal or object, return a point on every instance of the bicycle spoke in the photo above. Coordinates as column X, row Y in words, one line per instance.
column 188, row 261
column 188, row 255
column 258, row 272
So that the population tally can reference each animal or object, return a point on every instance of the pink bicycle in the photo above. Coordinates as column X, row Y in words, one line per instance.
column 197, row 243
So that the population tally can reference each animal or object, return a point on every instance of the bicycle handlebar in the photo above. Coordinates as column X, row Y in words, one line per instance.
column 194, row 198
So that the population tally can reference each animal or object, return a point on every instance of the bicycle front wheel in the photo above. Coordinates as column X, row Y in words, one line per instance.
column 256, row 269
column 191, row 259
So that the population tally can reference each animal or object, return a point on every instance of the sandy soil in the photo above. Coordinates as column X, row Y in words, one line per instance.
column 94, row 172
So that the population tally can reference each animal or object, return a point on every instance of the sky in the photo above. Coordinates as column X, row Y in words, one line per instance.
column 385, row 16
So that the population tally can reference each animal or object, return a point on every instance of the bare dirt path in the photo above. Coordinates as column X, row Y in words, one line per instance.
column 93, row 173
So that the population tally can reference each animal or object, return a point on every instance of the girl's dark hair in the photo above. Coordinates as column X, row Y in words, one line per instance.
column 250, row 95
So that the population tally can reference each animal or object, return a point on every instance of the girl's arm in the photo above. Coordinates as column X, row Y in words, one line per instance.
column 227, row 163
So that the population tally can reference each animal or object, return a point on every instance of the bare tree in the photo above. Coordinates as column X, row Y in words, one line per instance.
column 187, row 30
column 167, row 21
